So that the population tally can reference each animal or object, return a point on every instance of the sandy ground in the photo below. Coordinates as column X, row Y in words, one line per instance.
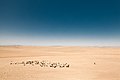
column 86, row 63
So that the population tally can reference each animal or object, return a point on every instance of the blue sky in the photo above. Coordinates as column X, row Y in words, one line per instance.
column 60, row 22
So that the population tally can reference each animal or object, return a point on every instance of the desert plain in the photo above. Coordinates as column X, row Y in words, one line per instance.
column 85, row 63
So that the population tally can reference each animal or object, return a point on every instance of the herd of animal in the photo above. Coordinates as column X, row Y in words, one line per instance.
column 43, row 63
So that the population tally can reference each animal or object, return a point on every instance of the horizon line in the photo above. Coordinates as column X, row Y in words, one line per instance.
column 59, row 45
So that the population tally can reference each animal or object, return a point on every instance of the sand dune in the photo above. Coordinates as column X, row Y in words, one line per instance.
column 86, row 63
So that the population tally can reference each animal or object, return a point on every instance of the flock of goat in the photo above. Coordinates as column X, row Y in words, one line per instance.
column 43, row 63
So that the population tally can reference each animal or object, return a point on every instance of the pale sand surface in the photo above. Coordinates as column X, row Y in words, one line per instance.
column 81, row 60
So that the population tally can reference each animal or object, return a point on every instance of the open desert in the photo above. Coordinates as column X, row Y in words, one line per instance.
column 71, row 63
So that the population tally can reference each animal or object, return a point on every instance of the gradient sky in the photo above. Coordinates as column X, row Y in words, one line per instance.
column 60, row 22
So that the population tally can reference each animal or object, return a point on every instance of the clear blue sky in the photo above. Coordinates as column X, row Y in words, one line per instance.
column 60, row 22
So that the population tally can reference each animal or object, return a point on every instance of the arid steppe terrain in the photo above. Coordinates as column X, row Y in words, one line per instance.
column 85, row 63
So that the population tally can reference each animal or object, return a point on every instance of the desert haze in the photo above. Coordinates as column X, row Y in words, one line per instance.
column 72, row 63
